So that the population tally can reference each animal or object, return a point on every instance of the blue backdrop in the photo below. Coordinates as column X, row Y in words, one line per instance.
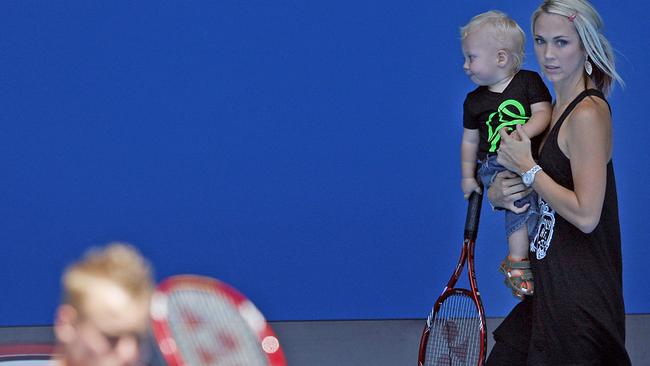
column 304, row 151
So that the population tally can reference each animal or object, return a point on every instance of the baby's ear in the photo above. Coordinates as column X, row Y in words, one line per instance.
column 502, row 58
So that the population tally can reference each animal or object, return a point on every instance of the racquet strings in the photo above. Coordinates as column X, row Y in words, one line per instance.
column 454, row 336
column 209, row 331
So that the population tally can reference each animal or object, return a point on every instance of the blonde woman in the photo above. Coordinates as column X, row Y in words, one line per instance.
column 576, row 316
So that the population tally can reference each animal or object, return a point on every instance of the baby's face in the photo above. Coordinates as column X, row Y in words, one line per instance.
column 480, row 52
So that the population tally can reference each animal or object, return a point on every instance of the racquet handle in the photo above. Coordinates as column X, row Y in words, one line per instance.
column 473, row 215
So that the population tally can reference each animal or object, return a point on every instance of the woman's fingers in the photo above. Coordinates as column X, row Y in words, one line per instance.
column 520, row 194
column 507, row 188
column 506, row 178
column 504, row 134
column 503, row 153
column 517, row 188
column 514, row 185
column 522, row 133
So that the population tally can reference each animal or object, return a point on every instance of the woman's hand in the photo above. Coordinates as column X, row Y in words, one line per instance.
column 514, row 151
column 507, row 188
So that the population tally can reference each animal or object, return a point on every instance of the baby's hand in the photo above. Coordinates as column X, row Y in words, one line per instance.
column 469, row 185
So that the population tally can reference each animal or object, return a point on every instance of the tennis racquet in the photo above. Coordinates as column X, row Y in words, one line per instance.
column 200, row 321
column 455, row 332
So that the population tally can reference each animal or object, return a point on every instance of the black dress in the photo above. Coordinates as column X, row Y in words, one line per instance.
column 576, row 316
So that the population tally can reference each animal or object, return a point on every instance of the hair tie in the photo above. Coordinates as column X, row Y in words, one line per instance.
column 572, row 17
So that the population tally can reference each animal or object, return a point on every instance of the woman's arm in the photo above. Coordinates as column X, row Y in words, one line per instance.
column 586, row 141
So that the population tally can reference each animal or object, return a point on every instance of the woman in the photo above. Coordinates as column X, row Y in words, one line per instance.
column 576, row 316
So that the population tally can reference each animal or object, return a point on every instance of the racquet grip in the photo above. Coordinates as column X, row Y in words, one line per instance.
column 473, row 215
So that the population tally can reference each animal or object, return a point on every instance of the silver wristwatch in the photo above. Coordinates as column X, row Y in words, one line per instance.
column 529, row 176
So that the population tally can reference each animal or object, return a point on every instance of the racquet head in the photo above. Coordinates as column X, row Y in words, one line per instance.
column 200, row 321
column 455, row 332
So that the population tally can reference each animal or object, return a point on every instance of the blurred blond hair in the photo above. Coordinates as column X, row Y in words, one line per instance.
column 117, row 263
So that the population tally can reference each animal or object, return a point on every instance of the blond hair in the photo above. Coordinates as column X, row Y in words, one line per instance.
column 507, row 33
column 588, row 24
column 118, row 263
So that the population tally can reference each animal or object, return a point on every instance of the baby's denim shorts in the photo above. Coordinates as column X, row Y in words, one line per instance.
column 488, row 169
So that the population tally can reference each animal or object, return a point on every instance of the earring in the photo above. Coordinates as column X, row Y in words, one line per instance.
column 588, row 67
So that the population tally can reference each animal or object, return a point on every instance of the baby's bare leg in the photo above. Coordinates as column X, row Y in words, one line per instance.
column 518, row 244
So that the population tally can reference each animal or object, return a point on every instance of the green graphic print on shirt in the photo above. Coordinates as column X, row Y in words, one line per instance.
column 509, row 114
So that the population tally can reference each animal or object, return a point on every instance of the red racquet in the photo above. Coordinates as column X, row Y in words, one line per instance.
column 455, row 332
column 200, row 321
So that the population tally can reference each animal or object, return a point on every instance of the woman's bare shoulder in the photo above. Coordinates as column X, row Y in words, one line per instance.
column 589, row 111
column 588, row 129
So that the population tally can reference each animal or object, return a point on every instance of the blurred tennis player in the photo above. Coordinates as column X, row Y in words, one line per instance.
column 103, row 318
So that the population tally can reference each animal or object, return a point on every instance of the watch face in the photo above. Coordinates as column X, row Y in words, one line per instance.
column 529, row 176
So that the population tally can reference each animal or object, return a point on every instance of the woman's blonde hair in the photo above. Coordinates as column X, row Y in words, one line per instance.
column 505, row 31
column 588, row 24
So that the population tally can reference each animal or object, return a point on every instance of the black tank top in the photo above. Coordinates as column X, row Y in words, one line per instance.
column 578, row 311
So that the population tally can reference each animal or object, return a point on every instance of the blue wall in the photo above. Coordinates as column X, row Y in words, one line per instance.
column 304, row 151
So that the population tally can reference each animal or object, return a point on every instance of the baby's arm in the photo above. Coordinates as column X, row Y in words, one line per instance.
column 539, row 120
column 468, row 151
